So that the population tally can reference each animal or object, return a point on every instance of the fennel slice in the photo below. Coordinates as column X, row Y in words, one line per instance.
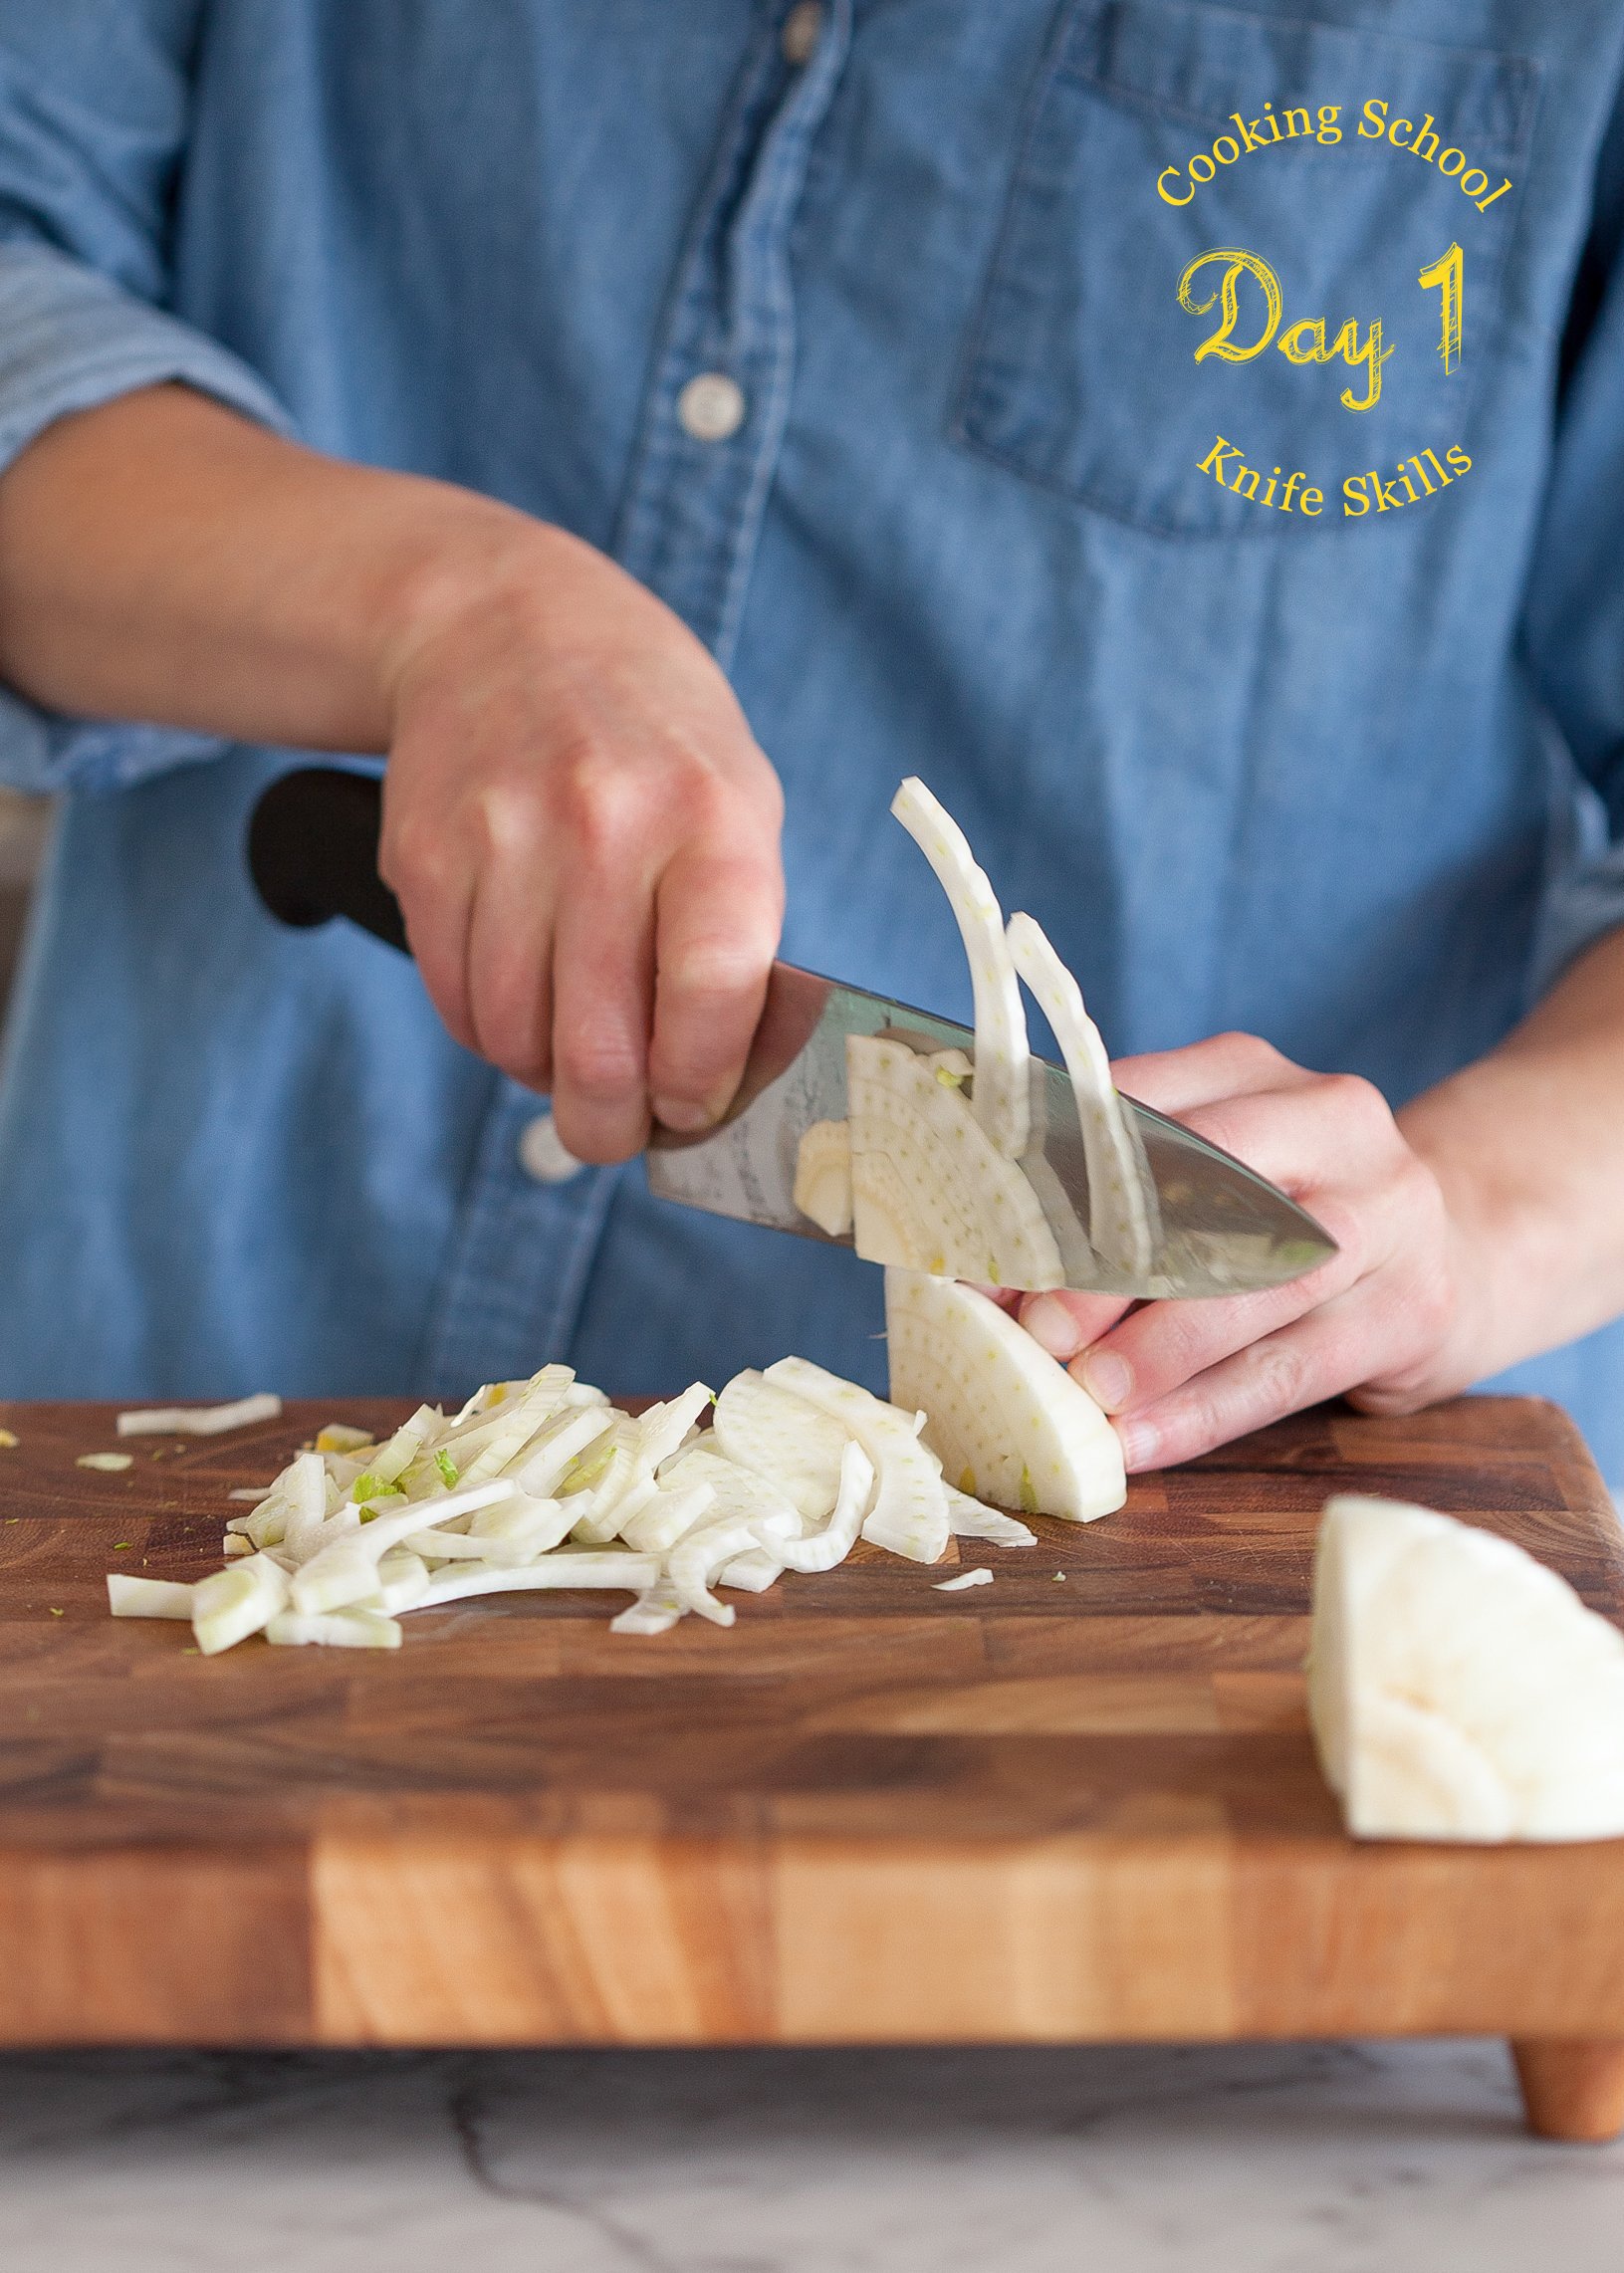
column 829, row 1547
column 200, row 1419
column 929, row 1192
column 909, row 1513
column 675, row 1508
column 338, row 1630
column 752, row 1572
column 554, row 1572
column 793, row 1444
column 735, row 1490
column 147, row 1597
column 656, row 1610
column 233, row 1603
column 1125, row 1220
column 971, row 1520
column 1002, row 1096
column 822, row 1181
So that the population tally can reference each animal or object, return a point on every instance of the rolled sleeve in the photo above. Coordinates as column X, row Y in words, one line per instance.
column 68, row 340
column 93, row 108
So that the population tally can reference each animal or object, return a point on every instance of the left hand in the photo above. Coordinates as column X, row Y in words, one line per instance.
column 1385, row 1320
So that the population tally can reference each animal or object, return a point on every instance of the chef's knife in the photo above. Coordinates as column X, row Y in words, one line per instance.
column 313, row 854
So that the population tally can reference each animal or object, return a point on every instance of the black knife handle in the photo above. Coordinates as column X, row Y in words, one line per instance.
column 313, row 852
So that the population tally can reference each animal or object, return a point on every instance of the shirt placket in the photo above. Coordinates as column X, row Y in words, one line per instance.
column 719, row 391
column 708, row 444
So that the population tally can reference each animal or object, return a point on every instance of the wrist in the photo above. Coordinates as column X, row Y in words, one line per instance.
column 465, row 562
column 1510, row 1238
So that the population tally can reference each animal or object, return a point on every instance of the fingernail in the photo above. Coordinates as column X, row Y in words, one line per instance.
column 683, row 1116
column 1138, row 1444
column 1108, row 1378
column 1052, row 1327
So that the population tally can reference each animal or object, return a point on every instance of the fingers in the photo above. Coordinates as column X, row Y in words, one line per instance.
column 1166, row 1343
column 1175, row 1081
column 1376, row 1318
column 1387, row 1329
column 435, row 891
column 509, row 957
column 574, row 796
column 603, row 990
column 717, row 919
column 1329, row 1132
column 1064, row 1322
column 1316, row 1357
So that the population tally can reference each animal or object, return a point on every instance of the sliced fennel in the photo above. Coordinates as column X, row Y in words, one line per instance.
column 822, row 1185
column 1001, row 1079
column 656, row 1610
column 969, row 1519
column 337, row 1437
column 147, row 1597
column 668, row 1518
column 750, row 1573
column 1124, row 1221
column 352, row 1535
column 343, row 1630
column 797, row 1447
column 929, row 1190
column 737, row 1492
column 1005, row 1418
column 965, row 1579
column 909, row 1513
column 236, row 1602
column 589, row 1569
column 825, row 1548
column 200, row 1419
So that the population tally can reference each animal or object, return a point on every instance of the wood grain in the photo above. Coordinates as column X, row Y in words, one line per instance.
column 1081, row 1803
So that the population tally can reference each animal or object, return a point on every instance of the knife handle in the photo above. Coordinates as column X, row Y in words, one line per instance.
column 313, row 852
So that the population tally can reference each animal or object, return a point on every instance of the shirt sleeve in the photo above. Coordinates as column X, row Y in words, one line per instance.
column 1574, row 615
column 93, row 100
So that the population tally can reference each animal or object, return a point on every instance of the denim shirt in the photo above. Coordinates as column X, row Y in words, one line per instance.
column 1017, row 298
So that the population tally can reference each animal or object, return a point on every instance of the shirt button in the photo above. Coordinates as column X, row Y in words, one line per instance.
column 542, row 1154
column 802, row 27
column 712, row 406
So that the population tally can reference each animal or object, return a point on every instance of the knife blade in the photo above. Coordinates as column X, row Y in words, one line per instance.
column 1224, row 1230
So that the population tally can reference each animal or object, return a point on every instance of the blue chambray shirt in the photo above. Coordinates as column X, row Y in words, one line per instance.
column 1342, row 778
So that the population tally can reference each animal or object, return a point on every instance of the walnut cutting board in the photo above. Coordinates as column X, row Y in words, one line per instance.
column 1081, row 1803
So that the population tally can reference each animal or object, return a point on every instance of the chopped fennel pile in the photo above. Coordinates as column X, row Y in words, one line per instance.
column 544, row 1484
column 1457, row 1688
column 925, row 1171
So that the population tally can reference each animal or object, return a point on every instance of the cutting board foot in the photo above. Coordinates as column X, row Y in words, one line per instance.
column 1572, row 2086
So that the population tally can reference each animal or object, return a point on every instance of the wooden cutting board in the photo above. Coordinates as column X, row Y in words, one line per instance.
column 1081, row 1803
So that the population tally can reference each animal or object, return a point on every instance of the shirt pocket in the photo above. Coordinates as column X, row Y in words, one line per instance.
column 1159, row 133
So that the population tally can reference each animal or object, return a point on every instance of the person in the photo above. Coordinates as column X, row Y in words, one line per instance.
column 635, row 424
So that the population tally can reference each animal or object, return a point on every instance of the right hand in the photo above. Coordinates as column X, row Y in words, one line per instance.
column 583, row 837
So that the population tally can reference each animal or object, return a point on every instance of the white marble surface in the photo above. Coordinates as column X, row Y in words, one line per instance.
column 1332, row 2158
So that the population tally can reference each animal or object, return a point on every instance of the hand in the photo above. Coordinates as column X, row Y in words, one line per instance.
column 1385, row 1319
column 583, row 838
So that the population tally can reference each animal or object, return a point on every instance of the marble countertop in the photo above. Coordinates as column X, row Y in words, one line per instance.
column 1324, row 2159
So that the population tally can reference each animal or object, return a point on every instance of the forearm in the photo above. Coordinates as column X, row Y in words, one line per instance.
column 1528, row 1144
column 162, row 559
